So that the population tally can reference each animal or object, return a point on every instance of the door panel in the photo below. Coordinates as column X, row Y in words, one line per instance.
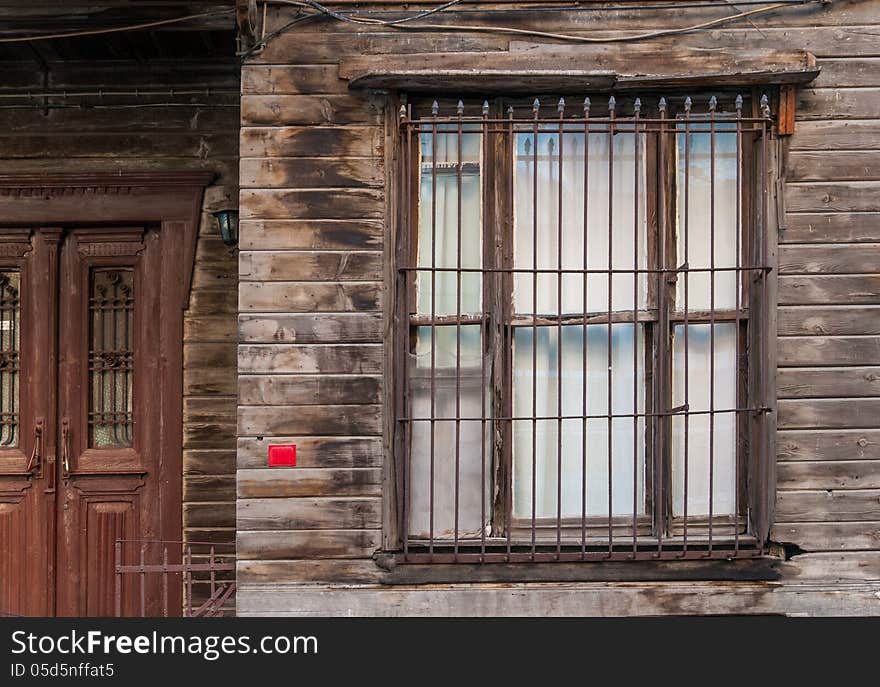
column 109, row 385
column 27, row 288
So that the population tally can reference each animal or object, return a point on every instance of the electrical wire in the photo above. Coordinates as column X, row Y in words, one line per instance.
column 115, row 29
column 590, row 39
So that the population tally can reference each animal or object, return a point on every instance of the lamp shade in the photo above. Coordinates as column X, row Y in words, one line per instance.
column 228, row 222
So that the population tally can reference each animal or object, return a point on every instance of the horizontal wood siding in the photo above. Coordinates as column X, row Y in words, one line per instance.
column 311, row 338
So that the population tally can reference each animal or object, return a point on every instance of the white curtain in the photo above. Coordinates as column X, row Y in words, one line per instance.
column 696, row 186
column 539, row 375
column 701, row 432
column 626, row 227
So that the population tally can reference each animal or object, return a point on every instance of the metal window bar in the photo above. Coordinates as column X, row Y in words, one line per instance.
column 144, row 578
column 665, row 305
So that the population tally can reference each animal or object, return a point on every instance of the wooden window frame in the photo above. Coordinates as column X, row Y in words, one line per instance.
column 755, row 355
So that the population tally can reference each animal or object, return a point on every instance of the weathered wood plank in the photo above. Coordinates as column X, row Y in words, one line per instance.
column 292, row 297
column 297, row 110
column 825, row 290
column 828, row 506
column 347, row 203
column 308, row 544
column 852, row 196
column 291, row 328
column 158, row 120
column 206, row 381
column 311, row 235
column 829, row 413
column 306, row 390
column 209, row 514
column 311, row 142
column 837, row 103
column 305, row 172
column 208, row 328
column 213, row 488
column 825, row 474
column 834, row 567
column 848, row 444
column 305, row 266
column 830, row 321
column 829, row 259
column 214, row 301
column 118, row 145
column 256, row 484
column 829, row 536
column 319, row 452
column 831, row 228
column 307, row 359
column 836, row 382
column 847, row 72
column 842, row 165
column 209, row 461
column 292, row 79
column 836, row 135
column 324, row 420
column 306, row 571
column 210, row 354
column 309, row 513
column 208, row 431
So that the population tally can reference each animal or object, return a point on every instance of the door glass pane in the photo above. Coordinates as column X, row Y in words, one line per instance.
column 450, row 222
column 111, row 357
column 10, row 336
column 702, row 431
column 604, row 192
column 538, row 392
column 698, row 219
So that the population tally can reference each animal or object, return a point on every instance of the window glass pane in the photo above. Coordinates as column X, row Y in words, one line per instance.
column 472, row 386
column 111, row 358
column 698, row 187
column 443, row 193
column 541, row 363
column 699, row 372
column 10, row 340
column 542, row 227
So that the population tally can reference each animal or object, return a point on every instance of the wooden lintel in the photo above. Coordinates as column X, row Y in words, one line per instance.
column 546, row 68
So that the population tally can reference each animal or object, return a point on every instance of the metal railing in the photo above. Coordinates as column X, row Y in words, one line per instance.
column 170, row 578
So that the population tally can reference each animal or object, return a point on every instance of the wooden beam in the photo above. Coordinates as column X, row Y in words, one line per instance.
column 590, row 67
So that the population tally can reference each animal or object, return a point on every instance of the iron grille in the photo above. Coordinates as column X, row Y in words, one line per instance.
column 581, row 329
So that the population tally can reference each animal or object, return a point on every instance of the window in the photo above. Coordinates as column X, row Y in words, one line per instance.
column 581, row 329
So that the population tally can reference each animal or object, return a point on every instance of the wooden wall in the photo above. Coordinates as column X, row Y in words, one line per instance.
column 187, row 133
column 311, row 354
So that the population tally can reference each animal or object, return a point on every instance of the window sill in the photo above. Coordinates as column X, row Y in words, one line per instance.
column 750, row 566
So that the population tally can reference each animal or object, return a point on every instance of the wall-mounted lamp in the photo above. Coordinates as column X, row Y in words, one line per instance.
column 228, row 221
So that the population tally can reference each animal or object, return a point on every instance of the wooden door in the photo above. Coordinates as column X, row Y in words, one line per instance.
column 91, row 470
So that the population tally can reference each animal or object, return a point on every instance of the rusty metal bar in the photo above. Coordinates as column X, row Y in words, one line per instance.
column 559, row 379
column 712, row 275
column 535, row 109
column 434, row 110
column 118, row 558
column 635, row 326
column 586, row 237
column 611, row 109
